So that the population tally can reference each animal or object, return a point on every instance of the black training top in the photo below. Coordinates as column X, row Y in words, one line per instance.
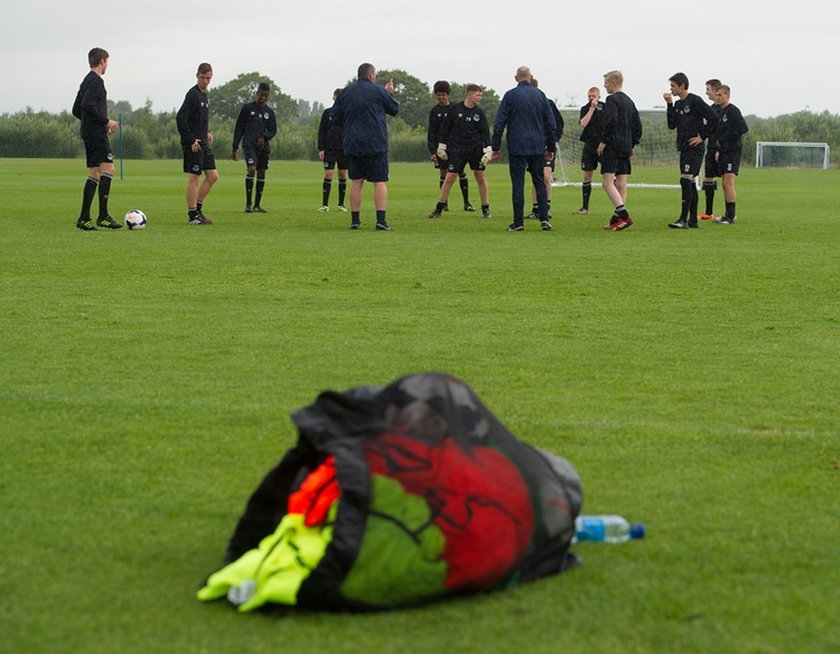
column 621, row 125
column 91, row 105
column 330, row 135
column 193, row 117
column 592, row 132
column 254, row 122
column 465, row 129
column 731, row 129
column 691, row 117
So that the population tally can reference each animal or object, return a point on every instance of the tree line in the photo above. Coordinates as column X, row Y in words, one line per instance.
column 147, row 134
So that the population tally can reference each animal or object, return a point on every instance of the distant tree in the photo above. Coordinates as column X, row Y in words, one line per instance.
column 120, row 107
column 227, row 100
column 306, row 111
column 414, row 95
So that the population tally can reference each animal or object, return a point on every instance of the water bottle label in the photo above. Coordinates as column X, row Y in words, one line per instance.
column 592, row 529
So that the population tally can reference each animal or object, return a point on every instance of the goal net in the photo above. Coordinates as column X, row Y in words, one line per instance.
column 655, row 160
column 782, row 154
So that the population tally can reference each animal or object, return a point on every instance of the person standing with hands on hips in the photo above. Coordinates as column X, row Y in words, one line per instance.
column 193, row 120
column 694, row 121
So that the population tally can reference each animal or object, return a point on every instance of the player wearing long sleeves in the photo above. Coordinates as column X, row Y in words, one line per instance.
column 710, row 173
column 193, row 120
column 621, row 132
column 694, row 122
column 255, row 126
column 729, row 143
column 437, row 119
column 464, row 139
column 91, row 108
column 331, row 153
column 590, row 136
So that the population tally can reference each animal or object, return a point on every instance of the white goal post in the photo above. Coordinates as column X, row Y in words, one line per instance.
column 792, row 154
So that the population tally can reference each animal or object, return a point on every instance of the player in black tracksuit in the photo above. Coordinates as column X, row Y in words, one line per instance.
column 694, row 121
column 193, row 120
column 437, row 119
column 728, row 140
column 710, row 173
column 255, row 126
column 465, row 139
column 331, row 152
column 590, row 135
column 91, row 107
column 621, row 132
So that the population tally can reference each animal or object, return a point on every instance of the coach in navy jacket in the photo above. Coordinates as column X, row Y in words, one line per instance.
column 360, row 110
column 531, row 140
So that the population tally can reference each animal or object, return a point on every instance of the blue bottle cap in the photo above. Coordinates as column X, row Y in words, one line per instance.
column 637, row 531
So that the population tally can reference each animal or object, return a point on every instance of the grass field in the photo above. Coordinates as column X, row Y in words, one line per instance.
column 691, row 376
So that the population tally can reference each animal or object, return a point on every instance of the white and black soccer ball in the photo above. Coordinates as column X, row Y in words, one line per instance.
column 135, row 219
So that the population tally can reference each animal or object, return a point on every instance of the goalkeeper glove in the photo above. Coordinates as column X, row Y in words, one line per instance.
column 487, row 156
column 441, row 152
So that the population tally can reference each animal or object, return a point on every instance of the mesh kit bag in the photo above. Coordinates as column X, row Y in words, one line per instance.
column 399, row 495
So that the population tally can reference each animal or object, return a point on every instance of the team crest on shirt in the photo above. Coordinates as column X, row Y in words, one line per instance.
column 686, row 109
column 265, row 115
column 724, row 118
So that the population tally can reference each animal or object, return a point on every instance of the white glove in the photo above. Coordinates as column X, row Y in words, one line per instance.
column 487, row 156
column 441, row 152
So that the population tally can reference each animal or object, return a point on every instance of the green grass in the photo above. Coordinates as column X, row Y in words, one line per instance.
column 691, row 377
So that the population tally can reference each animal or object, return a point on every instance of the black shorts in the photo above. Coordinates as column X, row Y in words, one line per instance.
column 441, row 165
column 589, row 157
column 256, row 158
column 729, row 163
column 98, row 150
column 710, row 165
column 333, row 158
column 370, row 167
column 195, row 162
column 615, row 162
column 458, row 161
column 691, row 160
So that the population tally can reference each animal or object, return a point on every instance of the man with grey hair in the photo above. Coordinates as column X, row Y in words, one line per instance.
column 531, row 141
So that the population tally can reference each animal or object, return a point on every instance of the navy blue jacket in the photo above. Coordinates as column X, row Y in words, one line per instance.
column 531, row 128
column 360, row 111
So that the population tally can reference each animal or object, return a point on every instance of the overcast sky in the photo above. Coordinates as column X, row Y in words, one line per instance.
column 776, row 59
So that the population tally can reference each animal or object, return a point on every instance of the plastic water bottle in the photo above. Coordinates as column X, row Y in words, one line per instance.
column 606, row 529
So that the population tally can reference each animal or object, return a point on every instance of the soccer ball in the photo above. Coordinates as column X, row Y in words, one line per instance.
column 135, row 219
